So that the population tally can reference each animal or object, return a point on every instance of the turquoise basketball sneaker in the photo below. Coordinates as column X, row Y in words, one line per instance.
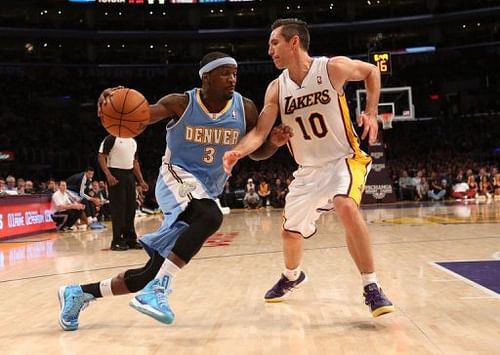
column 72, row 300
column 152, row 300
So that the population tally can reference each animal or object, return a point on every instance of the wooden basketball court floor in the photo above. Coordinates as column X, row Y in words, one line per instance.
column 218, row 297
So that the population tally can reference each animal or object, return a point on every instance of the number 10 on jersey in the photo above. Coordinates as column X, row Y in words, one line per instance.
column 313, row 125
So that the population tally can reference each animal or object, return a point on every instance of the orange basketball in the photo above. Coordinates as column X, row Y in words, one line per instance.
column 126, row 114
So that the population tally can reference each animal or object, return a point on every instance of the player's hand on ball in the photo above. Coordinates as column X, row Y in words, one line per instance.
column 370, row 126
column 229, row 160
column 280, row 135
column 124, row 112
column 104, row 98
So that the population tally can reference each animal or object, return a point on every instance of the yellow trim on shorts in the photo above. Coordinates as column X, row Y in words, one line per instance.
column 351, row 136
column 358, row 169
column 359, row 162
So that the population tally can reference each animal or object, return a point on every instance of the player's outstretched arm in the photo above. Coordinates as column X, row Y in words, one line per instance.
column 279, row 136
column 258, row 134
column 172, row 105
column 342, row 69
column 168, row 106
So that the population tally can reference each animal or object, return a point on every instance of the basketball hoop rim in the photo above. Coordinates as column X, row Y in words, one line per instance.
column 386, row 116
column 386, row 119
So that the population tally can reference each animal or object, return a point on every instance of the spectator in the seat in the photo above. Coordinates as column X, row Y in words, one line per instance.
column 29, row 188
column 42, row 187
column 485, row 187
column 416, row 181
column 50, row 188
column 459, row 177
column 446, row 187
column 65, row 212
column 437, row 190
column 251, row 199
column 2, row 185
column 264, row 192
column 227, row 197
column 422, row 189
column 406, row 186
column 92, row 209
column 20, row 185
column 496, row 185
column 101, row 190
column 471, row 181
column 493, row 173
column 482, row 173
column 461, row 191
column 96, row 192
column 78, row 186
column 278, row 194
column 250, row 185
column 10, row 185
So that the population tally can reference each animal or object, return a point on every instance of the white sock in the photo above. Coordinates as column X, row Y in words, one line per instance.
column 89, row 220
column 105, row 288
column 369, row 278
column 167, row 268
column 292, row 275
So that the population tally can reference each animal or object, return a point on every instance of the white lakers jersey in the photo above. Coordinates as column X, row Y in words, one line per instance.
column 319, row 116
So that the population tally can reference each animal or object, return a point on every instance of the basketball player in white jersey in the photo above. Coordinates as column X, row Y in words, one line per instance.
column 309, row 96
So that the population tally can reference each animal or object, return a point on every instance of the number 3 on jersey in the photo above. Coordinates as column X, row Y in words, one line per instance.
column 209, row 155
column 317, row 123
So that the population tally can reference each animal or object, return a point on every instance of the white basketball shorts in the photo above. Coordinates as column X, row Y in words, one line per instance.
column 314, row 186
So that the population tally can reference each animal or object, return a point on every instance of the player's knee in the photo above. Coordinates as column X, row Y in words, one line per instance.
column 207, row 218
column 213, row 218
column 285, row 234
column 209, row 214
column 345, row 206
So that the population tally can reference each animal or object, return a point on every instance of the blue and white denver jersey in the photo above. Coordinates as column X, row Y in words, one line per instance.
column 199, row 139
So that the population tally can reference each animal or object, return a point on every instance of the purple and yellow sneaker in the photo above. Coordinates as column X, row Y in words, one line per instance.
column 283, row 287
column 375, row 299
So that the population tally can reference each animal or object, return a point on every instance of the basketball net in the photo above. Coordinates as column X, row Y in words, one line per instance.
column 386, row 119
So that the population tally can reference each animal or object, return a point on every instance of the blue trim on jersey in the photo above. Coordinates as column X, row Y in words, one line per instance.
column 197, row 141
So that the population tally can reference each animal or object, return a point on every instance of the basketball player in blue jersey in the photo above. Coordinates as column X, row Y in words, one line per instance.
column 202, row 124
column 309, row 96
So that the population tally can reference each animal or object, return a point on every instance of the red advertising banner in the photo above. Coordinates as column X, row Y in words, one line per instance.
column 21, row 215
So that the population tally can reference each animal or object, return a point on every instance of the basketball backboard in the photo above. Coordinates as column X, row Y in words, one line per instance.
column 397, row 100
